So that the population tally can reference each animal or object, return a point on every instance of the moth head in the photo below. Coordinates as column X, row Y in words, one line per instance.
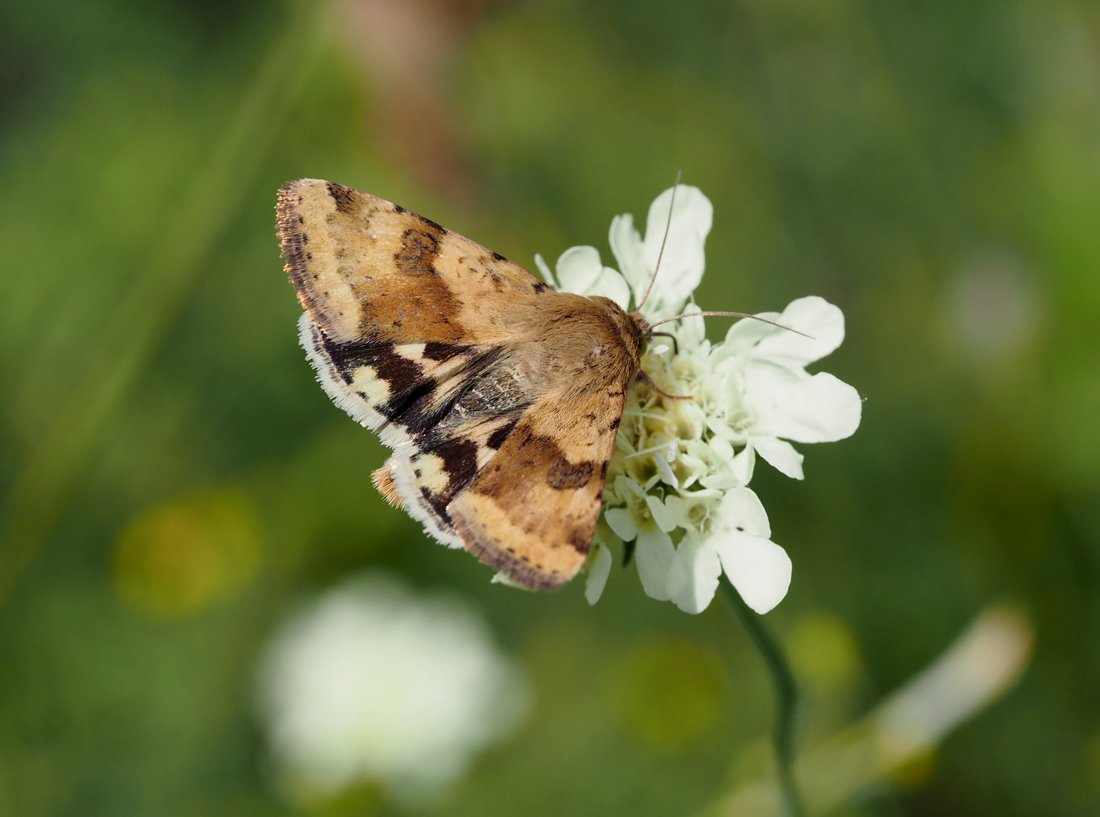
column 632, row 329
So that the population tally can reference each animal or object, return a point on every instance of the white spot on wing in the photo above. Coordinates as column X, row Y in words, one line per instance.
column 373, row 388
column 411, row 351
column 309, row 336
column 433, row 472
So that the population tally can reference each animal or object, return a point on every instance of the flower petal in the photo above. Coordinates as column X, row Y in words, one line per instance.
column 578, row 269
column 780, row 455
column 837, row 410
column 622, row 522
column 661, row 515
column 628, row 249
column 757, row 567
column 611, row 285
column 742, row 510
column 721, row 480
column 544, row 269
column 683, row 260
column 743, row 463
column 743, row 336
column 665, row 470
column 816, row 409
column 599, row 568
column 814, row 316
column 653, row 554
column 693, row 576
column 691, row 331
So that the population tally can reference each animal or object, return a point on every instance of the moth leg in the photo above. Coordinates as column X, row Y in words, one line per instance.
column 670, row 336
column 645, row 378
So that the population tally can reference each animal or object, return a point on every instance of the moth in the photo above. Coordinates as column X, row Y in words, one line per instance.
column 500, row 397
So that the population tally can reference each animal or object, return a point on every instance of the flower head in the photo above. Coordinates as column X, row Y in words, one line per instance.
column 677, row 487
column 374, row 684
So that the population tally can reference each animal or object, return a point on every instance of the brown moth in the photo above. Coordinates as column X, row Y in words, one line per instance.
column 500, row 397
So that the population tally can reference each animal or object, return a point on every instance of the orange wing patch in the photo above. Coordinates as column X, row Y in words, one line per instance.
column 531, row 512
column 369, row 270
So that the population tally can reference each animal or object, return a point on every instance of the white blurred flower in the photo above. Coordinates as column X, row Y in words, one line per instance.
column 373, row 683
column 993, row 308
column 677, row 484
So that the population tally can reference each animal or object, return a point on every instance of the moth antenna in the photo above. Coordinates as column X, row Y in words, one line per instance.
column 664, row 239
column 730, row 315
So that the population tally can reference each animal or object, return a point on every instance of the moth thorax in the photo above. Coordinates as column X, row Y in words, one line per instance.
column 626, row 330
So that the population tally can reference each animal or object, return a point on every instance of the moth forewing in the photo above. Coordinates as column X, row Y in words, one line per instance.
column 369, row 270
column 500, row 397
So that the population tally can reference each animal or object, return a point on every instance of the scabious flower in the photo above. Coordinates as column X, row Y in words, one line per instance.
column 373, row 684
column 677, row 493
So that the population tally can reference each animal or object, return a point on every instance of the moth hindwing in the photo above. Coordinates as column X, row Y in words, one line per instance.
column 500, row 397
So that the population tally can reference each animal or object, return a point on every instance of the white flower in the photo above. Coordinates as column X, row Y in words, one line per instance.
column 779, row 400
column 677, row 484
column 372, row 683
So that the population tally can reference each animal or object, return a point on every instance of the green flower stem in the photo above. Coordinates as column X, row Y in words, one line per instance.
column 785, row 689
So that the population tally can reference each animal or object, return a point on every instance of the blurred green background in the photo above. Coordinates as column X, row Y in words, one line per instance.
column 174, row 482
